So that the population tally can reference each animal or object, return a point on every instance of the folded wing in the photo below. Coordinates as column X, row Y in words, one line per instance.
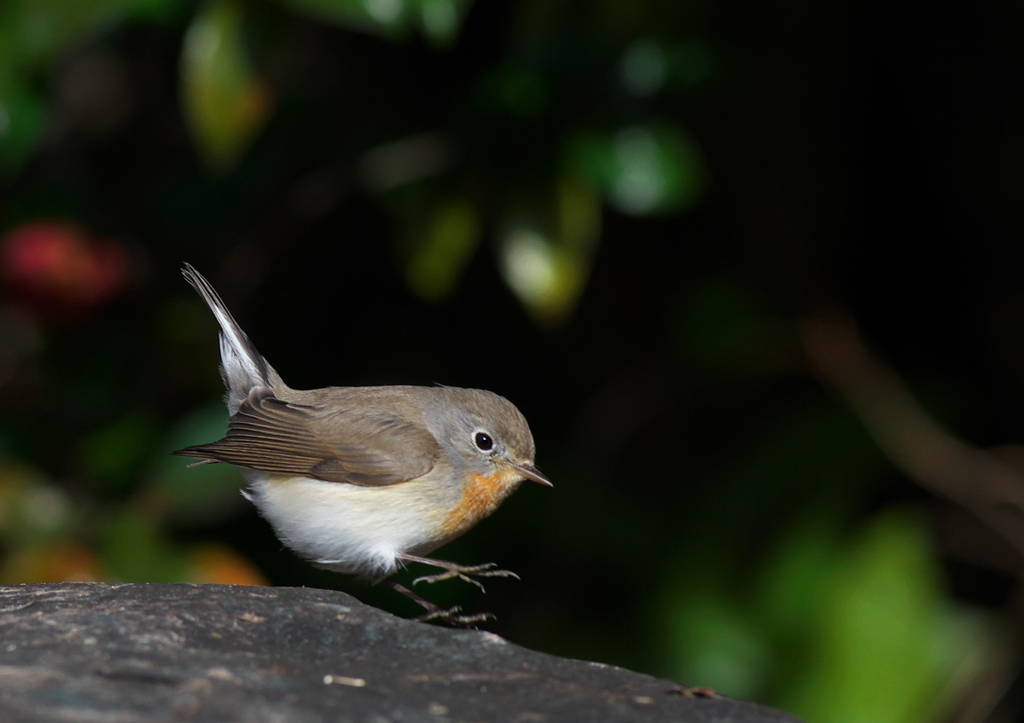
column 372, row 448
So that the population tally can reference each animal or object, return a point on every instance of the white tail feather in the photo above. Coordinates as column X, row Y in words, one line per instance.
column 242, row 366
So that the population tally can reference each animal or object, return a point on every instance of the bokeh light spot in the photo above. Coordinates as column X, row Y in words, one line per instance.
column 644, row 68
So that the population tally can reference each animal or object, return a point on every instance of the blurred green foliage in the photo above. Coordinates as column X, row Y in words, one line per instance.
column 224, row 100
column 614, row 213
column 32, row 35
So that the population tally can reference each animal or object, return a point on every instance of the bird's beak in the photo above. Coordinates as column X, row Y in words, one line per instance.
column 532, row 473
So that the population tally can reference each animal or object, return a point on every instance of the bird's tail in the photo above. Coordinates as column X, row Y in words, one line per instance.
column 242, row 366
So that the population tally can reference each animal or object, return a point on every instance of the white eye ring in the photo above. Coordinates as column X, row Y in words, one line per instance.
column 483, row 441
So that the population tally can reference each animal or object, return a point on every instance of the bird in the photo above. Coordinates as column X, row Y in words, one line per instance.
column 364, row 480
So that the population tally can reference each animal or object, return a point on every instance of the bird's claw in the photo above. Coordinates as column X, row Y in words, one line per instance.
column 452, row 617
column 466, row 574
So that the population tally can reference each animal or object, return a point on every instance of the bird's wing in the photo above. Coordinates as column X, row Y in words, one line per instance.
column 372, row 448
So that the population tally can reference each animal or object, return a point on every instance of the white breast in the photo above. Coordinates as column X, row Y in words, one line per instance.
column 347, row 528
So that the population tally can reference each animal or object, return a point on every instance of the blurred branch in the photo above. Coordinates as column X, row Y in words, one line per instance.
column 973, row 478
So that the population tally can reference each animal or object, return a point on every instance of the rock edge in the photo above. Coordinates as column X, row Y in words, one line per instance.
column 162, row 652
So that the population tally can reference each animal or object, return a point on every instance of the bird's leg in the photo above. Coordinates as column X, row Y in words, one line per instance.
column 454, row 570
column 435, row 613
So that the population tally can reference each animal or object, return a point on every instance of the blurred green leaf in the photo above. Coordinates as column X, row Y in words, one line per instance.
column 225, row 101
column 438, row 20
column 795, row 577
column 382, row 17
column 886, row 642
column 202, row 492
column 135, row 550
column 112, row 455
column 22, row 119
column 546, row 255
column 441, row 247
column 644, row 169
column 32, row 509
column 32, row 34
column 644, row 67
column 649, row 66
column 723, row 647
column 832, row 630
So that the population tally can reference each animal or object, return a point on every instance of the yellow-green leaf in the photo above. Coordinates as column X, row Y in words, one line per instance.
column 442, row 248
column 225, row 101
column 546, row 256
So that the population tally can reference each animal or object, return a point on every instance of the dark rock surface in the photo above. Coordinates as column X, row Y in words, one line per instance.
column 112, row 653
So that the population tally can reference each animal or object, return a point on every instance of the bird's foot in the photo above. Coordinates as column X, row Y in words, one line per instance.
column 466, row 573
column 436, row 613
column 453, row 616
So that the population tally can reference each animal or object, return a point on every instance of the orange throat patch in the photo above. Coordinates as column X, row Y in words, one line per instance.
column 480, row 497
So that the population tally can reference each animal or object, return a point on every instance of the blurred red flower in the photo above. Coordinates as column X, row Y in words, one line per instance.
column 60, row 269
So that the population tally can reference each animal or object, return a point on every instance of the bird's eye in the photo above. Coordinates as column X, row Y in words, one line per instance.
column 483, row 441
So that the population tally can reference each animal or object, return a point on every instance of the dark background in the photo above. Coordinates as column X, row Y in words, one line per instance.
column 779, row 395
